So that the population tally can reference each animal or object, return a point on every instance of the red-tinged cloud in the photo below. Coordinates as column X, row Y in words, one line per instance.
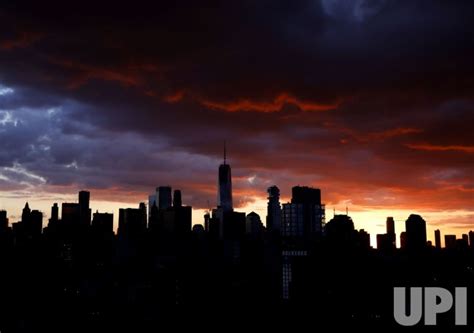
column 23, row 40
column 83, row 73
column 440, row 148
column 174, row 97
column 273, row 106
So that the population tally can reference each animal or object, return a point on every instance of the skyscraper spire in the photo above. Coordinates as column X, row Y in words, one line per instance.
column 224, row 194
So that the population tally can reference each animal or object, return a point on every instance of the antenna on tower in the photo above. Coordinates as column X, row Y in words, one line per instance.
column 334, row 212
column 225, row 152
column 347, row 211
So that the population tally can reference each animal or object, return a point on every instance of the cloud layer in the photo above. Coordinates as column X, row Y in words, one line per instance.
column 370, row 100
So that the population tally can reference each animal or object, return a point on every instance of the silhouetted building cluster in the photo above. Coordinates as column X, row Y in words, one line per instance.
column 157, row 260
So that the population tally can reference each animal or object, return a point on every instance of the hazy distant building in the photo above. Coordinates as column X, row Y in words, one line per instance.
column 415, row 227
column 273, row 209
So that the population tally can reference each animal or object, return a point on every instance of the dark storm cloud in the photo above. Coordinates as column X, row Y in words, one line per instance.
column 374, row 94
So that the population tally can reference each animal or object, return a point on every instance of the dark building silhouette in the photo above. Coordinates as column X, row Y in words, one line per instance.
column 415, row 227
column 387, row 242
column 103, row 223
column 233, row 227
column 273, row 209
column 164, row 197
column 254, row 226
column 313, row 210
column 438, row 239
column 293, row 221
column 304, row 217
column 70, row 213
column 384, row 242
column 364, row 239
column 403, row 240
column 132, row 221
column 471, row 238
column 224, row 193
column 30, row 227
column 151, row 202
column 3, row 220
column 177, row 220
column 340, row 231
column 54, row 214
column 177, row 201
column 84, row 208
column 450, row 241
column 76, row 217
column 391, row 232
column 198, row 230
column 25, row 215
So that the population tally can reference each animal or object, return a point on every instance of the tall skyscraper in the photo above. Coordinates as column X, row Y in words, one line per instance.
column 54, row 213
column 438, row 238
column 164, row 197
column 391, row 231
column 3, row 220
column 84, row 208
column 224, row 195
column 415, row 227
column 273, row 209
column 390, row 225
column 25, row 215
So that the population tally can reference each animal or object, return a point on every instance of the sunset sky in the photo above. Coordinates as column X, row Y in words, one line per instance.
column 370, row 100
